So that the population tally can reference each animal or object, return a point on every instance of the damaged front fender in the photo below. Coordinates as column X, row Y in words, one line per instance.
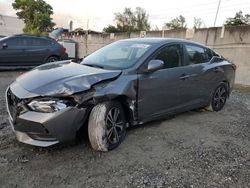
column 124, row 90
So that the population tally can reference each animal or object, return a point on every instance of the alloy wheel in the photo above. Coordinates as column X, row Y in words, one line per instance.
column 52, row 59
column 114, row 125
column 220, row 97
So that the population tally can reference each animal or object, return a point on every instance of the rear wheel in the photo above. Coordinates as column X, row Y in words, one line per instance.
column 219, row 98
column 52, row 59
column 107, row 126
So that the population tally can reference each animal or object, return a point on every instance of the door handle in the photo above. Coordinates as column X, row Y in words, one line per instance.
column 184, row 77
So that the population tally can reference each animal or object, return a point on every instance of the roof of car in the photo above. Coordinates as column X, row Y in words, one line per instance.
column 35, row 36
column 161, row 40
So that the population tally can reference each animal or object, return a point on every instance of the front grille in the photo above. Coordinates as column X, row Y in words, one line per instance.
column 13, row 106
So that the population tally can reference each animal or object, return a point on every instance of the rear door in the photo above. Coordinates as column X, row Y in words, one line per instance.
column 163, row 91
column 38, row 49
column 14, row 53
column 197, row 75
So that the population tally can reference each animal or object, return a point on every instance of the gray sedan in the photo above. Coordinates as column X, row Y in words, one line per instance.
column 126, row 83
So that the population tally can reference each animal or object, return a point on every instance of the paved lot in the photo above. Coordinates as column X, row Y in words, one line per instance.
column 193, row 149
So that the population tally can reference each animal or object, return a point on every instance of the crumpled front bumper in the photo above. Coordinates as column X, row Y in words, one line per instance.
column 25, row 138
column 46, row 129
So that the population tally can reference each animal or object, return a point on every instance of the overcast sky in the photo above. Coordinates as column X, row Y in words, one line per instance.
column 100, row 13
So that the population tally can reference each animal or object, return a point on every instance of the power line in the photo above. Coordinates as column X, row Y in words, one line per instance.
column 171, row 11
column 201, row 12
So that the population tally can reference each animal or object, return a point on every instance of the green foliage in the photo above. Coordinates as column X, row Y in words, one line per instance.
column 111, row 29
column 129, row 21
column 198, row 23
column 238, row 19
column 177, row 23
column 36, row 15
column 141, row 19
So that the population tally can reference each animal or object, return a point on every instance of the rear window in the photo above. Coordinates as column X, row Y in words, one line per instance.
column 197, row 54
column 38, row 42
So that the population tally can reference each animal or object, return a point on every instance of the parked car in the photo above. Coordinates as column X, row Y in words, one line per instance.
column 27, row 50
column 123, row 84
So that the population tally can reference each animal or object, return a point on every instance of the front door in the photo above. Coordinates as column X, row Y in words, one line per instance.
column 38, row 49
column 13, row 54
column 162, row 91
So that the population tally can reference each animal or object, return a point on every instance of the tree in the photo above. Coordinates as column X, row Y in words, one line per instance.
column 129, row 21
column 125, row 21
column 141, row 19
column 36, row 15
column 238, row 19
column 198, row 23
column 177, row 23
column 111, row 29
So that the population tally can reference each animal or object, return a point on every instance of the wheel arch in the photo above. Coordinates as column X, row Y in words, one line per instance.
column 226, row 82
column 128, row 106
column 51, row 55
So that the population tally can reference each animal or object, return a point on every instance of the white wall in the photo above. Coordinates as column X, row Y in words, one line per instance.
column 10, row 25
column 233, row 44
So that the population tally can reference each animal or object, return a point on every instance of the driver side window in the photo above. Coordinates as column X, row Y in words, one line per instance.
column 15, row 42
column 171, row 56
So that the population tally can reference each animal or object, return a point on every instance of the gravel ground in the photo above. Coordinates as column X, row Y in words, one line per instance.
column 193, row 149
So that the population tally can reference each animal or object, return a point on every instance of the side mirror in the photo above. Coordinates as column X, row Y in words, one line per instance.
column 4, row 45
column 155, row 65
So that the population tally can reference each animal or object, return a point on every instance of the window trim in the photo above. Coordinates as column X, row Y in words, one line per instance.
column 187, row 62
column 11, row 46
column 144, row 65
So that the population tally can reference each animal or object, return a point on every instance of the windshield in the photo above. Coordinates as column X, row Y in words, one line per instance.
column 118, row 55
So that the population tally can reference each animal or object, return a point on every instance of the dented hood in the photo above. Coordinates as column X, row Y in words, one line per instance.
column 61, row 78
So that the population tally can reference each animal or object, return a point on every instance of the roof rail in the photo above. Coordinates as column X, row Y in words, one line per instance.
column 28, row 35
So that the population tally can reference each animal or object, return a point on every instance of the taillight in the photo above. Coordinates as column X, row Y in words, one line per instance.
column 62, row 49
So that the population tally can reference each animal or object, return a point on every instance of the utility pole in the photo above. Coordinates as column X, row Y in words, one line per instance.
column 86, row 38
column 217, row 12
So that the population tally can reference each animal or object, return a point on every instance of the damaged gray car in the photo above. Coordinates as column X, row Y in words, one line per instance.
column 126, row 83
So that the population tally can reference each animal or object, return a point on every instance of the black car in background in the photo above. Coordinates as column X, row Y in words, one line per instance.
column 28, row 50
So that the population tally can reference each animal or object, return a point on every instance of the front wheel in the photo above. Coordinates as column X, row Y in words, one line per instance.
column 219, row 98
column 106, row 126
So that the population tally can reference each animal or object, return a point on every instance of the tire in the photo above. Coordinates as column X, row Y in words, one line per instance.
column 106, row 126
column 219, row 98
column 52, row 59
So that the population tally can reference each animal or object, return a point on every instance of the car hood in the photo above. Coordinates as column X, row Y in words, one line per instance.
column 60, row 79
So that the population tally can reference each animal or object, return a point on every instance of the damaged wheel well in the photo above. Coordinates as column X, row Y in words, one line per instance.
column 128, row 107
column 227, row 85
column 129, row 110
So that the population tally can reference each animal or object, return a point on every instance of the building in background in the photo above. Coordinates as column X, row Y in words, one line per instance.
column 10, row 25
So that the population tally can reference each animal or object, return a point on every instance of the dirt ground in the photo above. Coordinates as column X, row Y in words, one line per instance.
column 193, row 149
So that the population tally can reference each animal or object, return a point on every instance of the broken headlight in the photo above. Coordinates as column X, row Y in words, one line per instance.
column 47, row 106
